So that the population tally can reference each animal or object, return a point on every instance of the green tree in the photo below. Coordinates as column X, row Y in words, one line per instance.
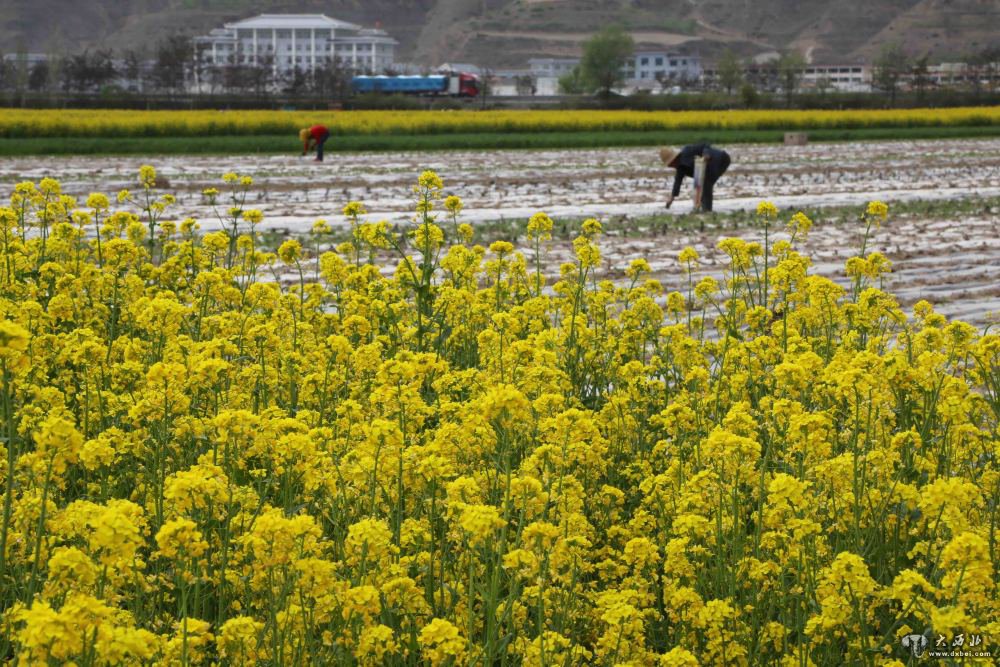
column 604, row 56
column 790, row 67
column 6, row 73
column 38, row 78
column 888, row 69
column 572, row 83
column 730, row 71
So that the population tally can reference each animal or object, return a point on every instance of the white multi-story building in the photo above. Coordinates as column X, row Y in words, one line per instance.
column 850, row 78
column 644, row 67
column 287, row 42
column 648, row 66
column 847, row 78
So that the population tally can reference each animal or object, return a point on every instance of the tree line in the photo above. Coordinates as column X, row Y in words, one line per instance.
column 601, row 71
column 892, row 70
column 172, row 66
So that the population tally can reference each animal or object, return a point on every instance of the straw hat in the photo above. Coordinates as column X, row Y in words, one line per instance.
column 303, row 134
column 667, row 154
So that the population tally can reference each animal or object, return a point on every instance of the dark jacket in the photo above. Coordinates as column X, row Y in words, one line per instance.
column 684, row 162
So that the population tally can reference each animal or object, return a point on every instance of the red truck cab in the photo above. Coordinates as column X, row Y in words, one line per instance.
column 468, row 85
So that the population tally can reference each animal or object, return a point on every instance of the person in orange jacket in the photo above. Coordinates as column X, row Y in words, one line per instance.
column 314, row 137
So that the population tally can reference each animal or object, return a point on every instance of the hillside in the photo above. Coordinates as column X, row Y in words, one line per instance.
column 508, row 32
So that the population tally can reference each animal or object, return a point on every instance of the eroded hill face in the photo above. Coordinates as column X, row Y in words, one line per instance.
column 508, row 32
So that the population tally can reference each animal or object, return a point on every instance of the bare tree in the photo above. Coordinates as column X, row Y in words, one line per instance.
column 790, row 67
column 920, row 77
column 485, row 84
column 295, row 82
column 21, row 71
column 984, row 67
column 174, row 56
column 132, row 69
column 331, row 80
column 991, row 69
column 525, row 85
column 262, row 75
column 88, row 71
column 667, row 80
column 6, row 73
column 888, row 69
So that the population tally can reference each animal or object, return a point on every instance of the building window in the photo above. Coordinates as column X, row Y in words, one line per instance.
column 644, row 61
column 659, row 61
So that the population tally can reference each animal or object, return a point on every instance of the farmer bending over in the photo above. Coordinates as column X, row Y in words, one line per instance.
column 314, row 137
column 717, row 161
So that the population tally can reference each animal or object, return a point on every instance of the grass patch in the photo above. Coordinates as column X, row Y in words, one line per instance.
column 249, row 144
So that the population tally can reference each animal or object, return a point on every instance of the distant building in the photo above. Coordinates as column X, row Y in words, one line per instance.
column 846, row 78
column 765, row 75
column 546, row 72
column 28, row 59
column 662, row 66
column 960, row 74
column 411, row 69
column 643, row 69
column 467, row 68
column 517, row 81
column 552, row 67
column 288, row 42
